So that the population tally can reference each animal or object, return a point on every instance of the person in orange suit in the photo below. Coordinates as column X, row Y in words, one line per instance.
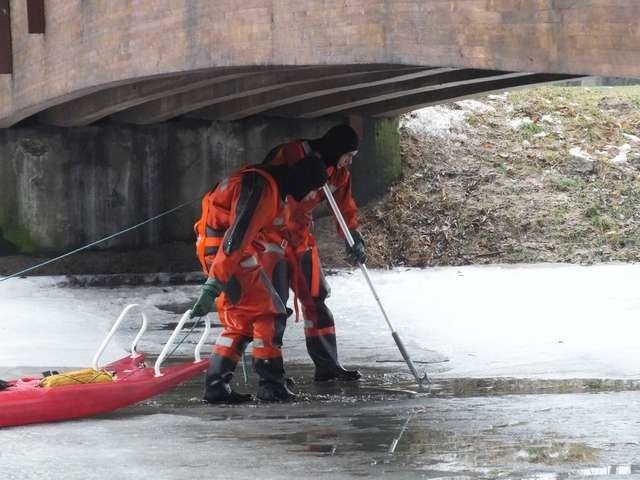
column 234, row 214
column 292, row 257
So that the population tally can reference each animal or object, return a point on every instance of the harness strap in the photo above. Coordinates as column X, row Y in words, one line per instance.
column 315, row 271
column 200, row 230
column 293, row 255
column 290, row 254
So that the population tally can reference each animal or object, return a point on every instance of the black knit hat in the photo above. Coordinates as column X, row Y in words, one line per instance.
column 300, row 178
column 336, row 142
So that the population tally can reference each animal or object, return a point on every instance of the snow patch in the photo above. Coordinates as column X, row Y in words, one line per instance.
column 550, row 120
column 622, row 154
column 500, row 98
column 516, row 123
column 475, row 106
column 577, row 152
column 633, row 138
column 437, row 121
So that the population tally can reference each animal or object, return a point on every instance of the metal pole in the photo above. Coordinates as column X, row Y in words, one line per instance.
column 365, row 272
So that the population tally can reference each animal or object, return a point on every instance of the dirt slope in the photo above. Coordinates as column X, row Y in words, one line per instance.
column 541, row 175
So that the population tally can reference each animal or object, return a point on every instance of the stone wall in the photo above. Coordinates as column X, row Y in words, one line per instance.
column 65, row 187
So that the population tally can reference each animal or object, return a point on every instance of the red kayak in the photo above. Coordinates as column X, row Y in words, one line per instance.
column 25, row 401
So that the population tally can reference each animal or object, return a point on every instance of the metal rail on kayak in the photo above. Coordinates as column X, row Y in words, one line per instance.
column 143, row 328
column 176, row 331
column 115, row 327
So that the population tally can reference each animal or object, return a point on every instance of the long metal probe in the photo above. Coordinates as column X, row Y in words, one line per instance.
column 365, row 272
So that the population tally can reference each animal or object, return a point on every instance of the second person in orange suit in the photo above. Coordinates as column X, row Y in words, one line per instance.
column 291, row 258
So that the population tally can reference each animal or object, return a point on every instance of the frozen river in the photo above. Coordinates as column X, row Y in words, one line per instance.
column 534, row 371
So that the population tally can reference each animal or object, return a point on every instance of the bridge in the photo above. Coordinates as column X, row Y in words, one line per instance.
column 149, row 61
column 89, row 83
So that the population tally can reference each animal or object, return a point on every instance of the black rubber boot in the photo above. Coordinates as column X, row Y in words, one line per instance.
column 222, row 393
column 336, row 373
column 324, row 353
column 217, row 380
column 272, row 392
column 273, row 385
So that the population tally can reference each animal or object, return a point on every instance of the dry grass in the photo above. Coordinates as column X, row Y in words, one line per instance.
column 517, row 195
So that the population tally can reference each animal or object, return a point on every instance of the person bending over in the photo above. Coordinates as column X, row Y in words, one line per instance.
column 234, row 215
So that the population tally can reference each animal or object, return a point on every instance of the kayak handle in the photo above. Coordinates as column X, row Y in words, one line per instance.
column 115, row 327
column 165, row 351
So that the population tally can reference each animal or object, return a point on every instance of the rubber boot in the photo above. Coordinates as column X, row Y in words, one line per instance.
column 217, row 388
column 272, row 385
column 324, row 353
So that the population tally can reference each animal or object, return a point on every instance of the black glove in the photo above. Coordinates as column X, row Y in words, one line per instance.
column 357, row 253
column 210, row 291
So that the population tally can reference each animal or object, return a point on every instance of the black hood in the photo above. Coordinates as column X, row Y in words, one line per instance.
column 298, row 180
column 336, row 142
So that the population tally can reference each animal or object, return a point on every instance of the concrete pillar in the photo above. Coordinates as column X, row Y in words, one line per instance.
column 377, row 164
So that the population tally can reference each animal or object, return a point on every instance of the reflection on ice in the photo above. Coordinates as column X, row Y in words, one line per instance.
column 618, row 471
column 393, row 437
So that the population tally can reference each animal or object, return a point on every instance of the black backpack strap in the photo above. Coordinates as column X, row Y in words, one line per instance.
column 251, row 190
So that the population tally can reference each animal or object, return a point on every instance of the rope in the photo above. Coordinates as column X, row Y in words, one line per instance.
column 81, row 377
column 195, row 322
column 109, row 237
column 21, row 272
column 83, row 381
column 245, row 374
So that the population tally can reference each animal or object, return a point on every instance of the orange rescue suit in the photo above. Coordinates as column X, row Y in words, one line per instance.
column 298, row 237
column 233, row 215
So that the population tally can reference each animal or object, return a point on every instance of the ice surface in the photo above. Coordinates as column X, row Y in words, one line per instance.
column 542, row 321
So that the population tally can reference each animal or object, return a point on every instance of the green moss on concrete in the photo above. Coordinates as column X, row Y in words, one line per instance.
column 18, row 237
column 387, row 148
column 378, row 164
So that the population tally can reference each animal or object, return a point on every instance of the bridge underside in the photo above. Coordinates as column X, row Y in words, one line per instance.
column 375, row 90
column 68, row 63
